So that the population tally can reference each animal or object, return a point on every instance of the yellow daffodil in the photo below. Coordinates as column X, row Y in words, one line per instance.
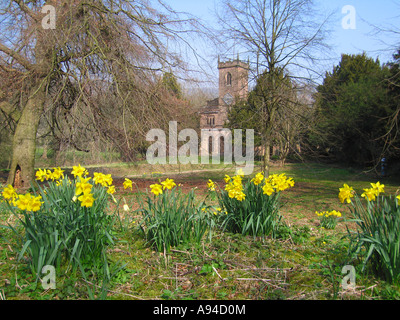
column 9, row 193
column 370, row 194
column 28, row 202
column 108, row 179
column 35, row 204
column 86, row 200
column 346, row 193
column 41, row 175
column 127, row 184
column 57, row 173
column 99, row 178
column 211, row 185
column 168, row 184
column 398, row 200
column 240, row 196
column 227, row 178
column 78, row 171
column 111, row 190
column 268, row 189
column 258, row 178
column 83, row 186
column 156, row 189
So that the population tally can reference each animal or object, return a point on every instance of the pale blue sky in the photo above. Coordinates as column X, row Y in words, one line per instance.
column 369, row 13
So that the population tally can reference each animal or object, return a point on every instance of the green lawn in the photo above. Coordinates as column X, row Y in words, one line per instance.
column 303, row 262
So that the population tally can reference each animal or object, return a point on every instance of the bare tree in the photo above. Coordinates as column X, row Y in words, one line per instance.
column 96, row 45
column 280, row 36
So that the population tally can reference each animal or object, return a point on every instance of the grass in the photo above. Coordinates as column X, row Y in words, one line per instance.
column 304, row 262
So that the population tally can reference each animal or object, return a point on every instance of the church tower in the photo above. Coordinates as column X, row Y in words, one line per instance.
column 233, row 84
column 233, row 81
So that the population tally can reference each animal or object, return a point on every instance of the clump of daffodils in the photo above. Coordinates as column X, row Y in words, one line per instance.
column 329, row 219
column 83, row 187
column 272, row 184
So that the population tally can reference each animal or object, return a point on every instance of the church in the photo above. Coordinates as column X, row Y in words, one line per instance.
column 233, row 85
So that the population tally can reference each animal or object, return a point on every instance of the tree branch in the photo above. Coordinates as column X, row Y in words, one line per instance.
column 16, row 56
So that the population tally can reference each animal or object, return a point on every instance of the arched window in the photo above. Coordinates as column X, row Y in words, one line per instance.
column 228, row 79
column 210, row 145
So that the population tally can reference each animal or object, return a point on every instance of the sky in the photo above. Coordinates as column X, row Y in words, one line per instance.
column 348, row 35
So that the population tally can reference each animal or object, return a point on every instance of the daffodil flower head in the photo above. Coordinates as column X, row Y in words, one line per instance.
column 86, row 200
column 78, row 171
column 346, row 193
column 156, row 189
column 211, row 185
column 168, row 184
column 9, row 193
column 41, row 175
column 127, row 184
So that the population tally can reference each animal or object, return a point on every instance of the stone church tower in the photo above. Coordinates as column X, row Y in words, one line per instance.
column 233, row 84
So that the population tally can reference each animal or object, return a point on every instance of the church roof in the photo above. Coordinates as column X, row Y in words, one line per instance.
column 211, row 107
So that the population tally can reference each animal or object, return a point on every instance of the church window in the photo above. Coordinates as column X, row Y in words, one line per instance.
column 228, row 79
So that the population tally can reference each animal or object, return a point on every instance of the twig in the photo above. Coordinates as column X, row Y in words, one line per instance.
column 215, row 270
column 266, row 281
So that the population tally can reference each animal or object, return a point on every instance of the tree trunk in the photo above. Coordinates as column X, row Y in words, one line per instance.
column 267, row 157
column 24, row 143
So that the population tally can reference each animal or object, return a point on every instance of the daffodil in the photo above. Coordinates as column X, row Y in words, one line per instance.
column 9, row 192
column 41, row 175
column 380, row 188
column 211, row 185
column 82, row 186
column 86, row 200
column 24, row 201
column 370, row 194
column 268, row 189
column 57, row 173
column 156, row 189
column 99, row 178
column 126, row 207
column 346, row 193
column 240, row 196
column 127, row 184
column 111, row 190
column 78, row 171
column 35, row 204
column 398, row 200
column 258, row 178
column 108, row 179
column 168, row 184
